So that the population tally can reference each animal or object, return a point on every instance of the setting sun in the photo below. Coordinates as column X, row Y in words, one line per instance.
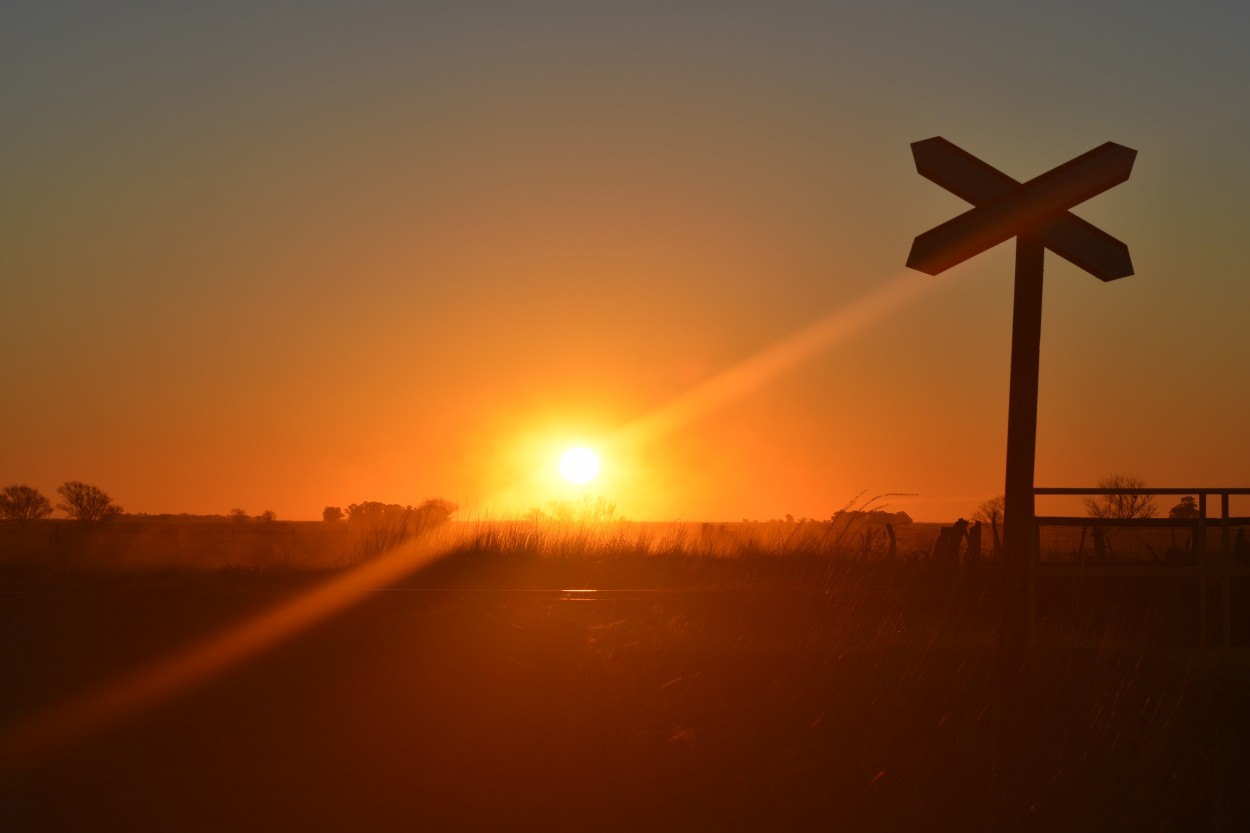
column 579, row 465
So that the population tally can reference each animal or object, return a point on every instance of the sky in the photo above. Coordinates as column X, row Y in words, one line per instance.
column 279, row 256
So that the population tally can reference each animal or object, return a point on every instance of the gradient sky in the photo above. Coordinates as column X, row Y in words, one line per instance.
column 286, row 255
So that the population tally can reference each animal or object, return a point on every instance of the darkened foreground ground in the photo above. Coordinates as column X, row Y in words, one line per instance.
column 859, row 698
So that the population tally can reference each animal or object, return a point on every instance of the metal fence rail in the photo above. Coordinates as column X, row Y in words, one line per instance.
column 1203, row 564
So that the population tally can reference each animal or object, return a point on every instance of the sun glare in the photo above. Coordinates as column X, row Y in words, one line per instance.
column 579, row 465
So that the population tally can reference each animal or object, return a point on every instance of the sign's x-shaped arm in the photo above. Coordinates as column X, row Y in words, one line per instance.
column 1006, row 208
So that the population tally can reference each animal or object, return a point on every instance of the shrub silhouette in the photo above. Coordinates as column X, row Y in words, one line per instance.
column 1187, row 508
column 386, row 525
column 1121, row 505
column 86, row 503
column 23, row 503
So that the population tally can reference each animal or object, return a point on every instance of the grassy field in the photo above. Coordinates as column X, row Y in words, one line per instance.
column 784, row 685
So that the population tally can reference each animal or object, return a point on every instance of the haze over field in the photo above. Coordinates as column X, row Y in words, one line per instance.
column 283, row 256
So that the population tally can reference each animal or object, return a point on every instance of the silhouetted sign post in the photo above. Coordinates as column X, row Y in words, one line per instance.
column 1036, row 214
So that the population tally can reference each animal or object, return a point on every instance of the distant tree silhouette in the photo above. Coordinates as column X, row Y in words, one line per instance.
column 876, row 516
column 237, row 514
column 267, row 515
column 86, row 503
column 23, row 503
column 373, row 510
column 1121, row 505
column 386, row 525
column 1187, row 508
column 428, row 513
column 331, row 514
column 435, row 511
column 991, row 511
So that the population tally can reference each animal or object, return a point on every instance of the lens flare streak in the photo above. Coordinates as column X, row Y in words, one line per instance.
column 753, row 372
column 43, row 733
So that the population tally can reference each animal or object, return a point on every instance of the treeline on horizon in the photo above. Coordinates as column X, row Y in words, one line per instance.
column 579, row 533
column 90, row 504
column 98, row 536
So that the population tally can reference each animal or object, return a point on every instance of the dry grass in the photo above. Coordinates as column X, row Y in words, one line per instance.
column 763, row 676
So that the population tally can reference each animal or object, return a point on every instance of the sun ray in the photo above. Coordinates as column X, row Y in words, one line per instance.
column 753, row 372
column 46, row 732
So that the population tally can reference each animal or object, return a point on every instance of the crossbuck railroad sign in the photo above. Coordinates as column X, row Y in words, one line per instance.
column 1036, row 214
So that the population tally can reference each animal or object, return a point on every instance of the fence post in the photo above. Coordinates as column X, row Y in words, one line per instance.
column 1200, row 552
column 1226, row 557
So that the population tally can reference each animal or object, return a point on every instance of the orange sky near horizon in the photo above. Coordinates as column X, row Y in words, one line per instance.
column 260, row 260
